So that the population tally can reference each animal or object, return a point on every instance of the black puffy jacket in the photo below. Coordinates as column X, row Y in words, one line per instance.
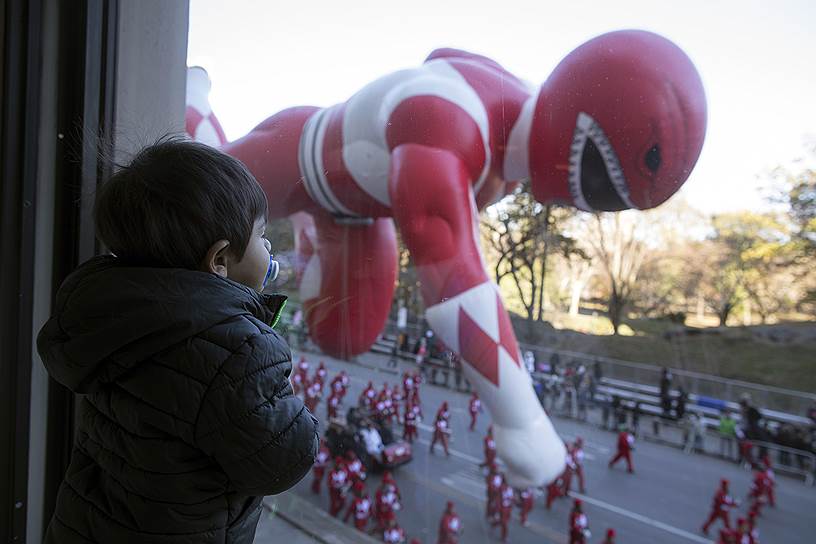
column 187, row 415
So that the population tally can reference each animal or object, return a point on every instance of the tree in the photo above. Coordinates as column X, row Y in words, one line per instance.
column 617, row 242
column 520, row 234
column 795, row 191
column 747, row 253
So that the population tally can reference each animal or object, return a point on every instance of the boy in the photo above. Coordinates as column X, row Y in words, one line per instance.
column 187, row 416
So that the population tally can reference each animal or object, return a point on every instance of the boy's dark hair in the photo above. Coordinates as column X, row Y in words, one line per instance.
column 173, row 201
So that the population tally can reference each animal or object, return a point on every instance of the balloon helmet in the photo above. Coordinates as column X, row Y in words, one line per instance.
column 619, row 124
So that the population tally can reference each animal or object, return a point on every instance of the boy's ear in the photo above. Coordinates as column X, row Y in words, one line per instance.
column 217, row 259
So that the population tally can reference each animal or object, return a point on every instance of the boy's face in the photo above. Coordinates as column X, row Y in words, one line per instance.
column 251, row 270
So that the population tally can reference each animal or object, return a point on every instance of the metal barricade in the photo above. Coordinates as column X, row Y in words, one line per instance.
column 789, row 460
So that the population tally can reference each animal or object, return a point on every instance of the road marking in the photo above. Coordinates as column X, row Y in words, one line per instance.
column 643, row 519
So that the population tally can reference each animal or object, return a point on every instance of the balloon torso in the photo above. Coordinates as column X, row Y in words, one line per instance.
column 453, row 104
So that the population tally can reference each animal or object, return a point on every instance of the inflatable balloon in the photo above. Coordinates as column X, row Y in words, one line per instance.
column 619, row 124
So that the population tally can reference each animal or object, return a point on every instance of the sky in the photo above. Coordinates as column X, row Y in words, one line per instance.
column 756, row 60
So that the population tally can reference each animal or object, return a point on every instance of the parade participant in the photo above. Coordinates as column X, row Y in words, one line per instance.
column 443, row 411
column 441, row 428
column 303, row 367
column 758, row 492
column 360, row 507
column 345, row 381
column 338, row 483
column 727, row 536
column 489, row 448
column 354, row 467
column 388, row 479
column 555, row 489
column 770, row 480
column 525, row 502
column 368, row 397
column 450, row 526
column 298, row 383
column 321, row 373
column 578, row 461
column 386, row 504
column 319, row 467
column 407, row 386
column 753, row 530
column 610, row 537
column 387, row 396
column 494, row 482
column 625, row 446
column 393, row 533
column 336, row 385
column 474, row 407
column 332, row 406
column 409, row 430
column 720, row 505
column 396, row 399
column 312, row 396
column 742, row 534
column 579, row 525
column 506, row 499
column 415, row 393
column 380, row 411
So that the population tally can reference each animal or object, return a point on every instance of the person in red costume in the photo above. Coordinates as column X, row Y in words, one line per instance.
column 757, row 492
column 555, row 490
column 489, row 449
column 442, row 429
column 577, row 455
column 450, row 526
column 368, row 397
column 494, row 481
column 610, row 537
column 525, row 502
column 332, row 406
column 386, row 504
column 407, row 386
column 319, row 467
column 625, row 446
column 321, row 373
column 388, row 480
column 300, row 380
column 338, row 485
column 618, row 124
column 360, row 507
column 753, row 530
column 410, row 422
column 720, row 506
column 336, row 386
column 303, row 367
column 354, row 467
column 415, row 398
column 312, row 396
column 506, row 500
column 393, row 533
column 578, row 524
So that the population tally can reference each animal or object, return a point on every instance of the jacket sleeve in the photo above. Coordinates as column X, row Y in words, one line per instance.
column 261, row 435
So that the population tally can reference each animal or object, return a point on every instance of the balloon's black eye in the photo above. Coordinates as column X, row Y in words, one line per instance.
column 653, row 158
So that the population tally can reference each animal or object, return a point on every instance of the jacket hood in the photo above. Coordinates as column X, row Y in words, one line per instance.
column 109, row 316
